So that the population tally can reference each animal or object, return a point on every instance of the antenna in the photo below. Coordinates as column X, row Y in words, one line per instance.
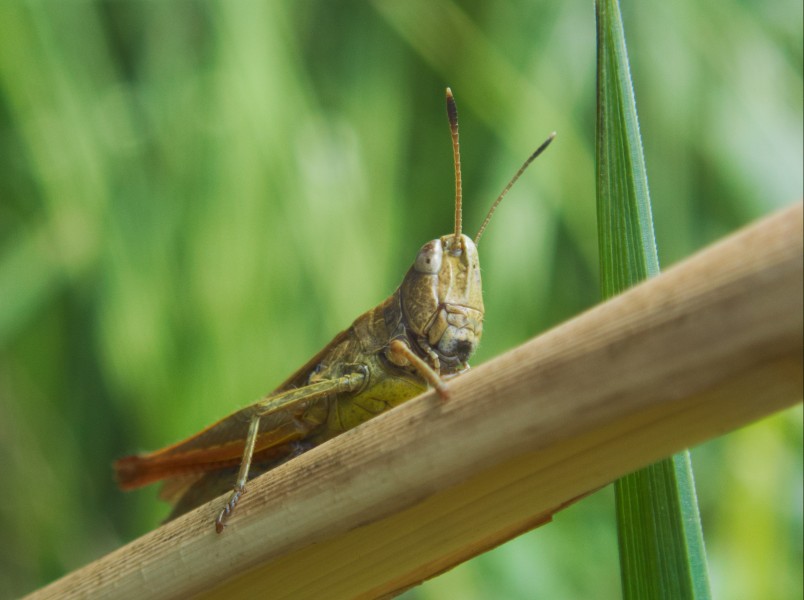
column 452, row 114
column 524, row 166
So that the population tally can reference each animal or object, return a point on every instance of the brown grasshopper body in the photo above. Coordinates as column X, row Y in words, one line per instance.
column 423, row 333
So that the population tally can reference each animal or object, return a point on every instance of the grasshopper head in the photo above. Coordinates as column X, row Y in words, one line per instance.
column 442, row 299
column 441, row 296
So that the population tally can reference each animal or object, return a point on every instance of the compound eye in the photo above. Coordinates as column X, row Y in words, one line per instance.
column 429, row 258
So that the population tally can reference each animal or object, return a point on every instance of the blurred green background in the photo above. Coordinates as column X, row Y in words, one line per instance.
column 196, row 196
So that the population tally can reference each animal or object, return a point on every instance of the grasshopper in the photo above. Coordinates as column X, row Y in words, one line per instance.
column 422, row 335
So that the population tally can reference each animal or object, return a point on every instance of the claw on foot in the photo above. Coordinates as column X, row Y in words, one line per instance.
column 228, row 509
column 443, row 391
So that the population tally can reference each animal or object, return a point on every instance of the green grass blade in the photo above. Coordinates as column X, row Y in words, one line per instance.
column 661, row 545
column 625, row 225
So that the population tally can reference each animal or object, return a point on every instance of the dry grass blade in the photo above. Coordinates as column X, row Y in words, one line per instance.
column 708, row 346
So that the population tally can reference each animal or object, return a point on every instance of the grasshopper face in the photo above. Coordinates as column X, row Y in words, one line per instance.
column 442, row 300
column 441, row 296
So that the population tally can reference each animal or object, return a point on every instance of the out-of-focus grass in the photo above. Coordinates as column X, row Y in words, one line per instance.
column 196, row 196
